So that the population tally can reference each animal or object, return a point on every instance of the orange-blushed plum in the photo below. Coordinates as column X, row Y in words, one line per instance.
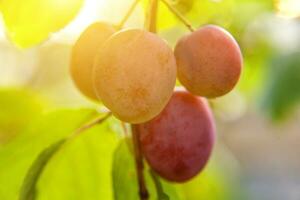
column 83, row 55
column 178, row 142
column 134, row 75
column 209, row 61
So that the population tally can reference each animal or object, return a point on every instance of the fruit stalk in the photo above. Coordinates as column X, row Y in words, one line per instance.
column 90, row 124
column 151, row 22
column 143, row 192
column 128, row 14
column 152, row 16
column 178, row 15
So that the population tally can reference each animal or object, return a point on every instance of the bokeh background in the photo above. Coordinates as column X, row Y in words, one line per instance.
column 257, row 156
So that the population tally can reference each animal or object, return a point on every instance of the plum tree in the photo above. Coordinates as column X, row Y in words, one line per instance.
column 134, row 75
column 209, row 61
column 83, row 55
column 178, row 142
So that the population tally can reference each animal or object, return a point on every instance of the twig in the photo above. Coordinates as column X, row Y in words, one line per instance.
column 178, row 15
column 128, row 14
column 143, row 192
column 152, row 16
column 90, row 124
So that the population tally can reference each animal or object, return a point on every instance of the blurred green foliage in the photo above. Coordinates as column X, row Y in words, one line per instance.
column 17, row 108
column 48, row 16
column 282, row 92
column 98, row 164
column 215, row 182
column 28, row 189
column 17, row 156
column 82, row 168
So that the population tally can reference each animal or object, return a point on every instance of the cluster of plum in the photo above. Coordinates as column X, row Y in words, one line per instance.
column 133, row 73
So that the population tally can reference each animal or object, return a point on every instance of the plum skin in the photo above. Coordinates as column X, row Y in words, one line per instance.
column 209, row 61
column 83, row 55
column 178, row 142
column 134, row 75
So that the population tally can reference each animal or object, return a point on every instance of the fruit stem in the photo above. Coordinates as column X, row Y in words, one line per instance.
column 128, row 14
column 90, row 124
column 150, row 25
column 152, row 16
column 178, row 15
column 143, row 192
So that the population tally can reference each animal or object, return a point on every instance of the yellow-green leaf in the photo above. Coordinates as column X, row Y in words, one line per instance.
column 28, row 190
column 29, row 22
column 17, row 156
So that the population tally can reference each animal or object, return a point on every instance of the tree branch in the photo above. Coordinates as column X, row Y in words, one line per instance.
column 143, row 192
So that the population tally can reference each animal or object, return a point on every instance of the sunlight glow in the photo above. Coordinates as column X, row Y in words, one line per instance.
column 88, row 14
column 288, row 8
column 2, row 30
column 99, row 10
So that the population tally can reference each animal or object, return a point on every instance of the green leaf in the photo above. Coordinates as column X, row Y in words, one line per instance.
column 82, row 168
column 124, row 173
column 125, row 179
column 17, row 156
column 29, row 22
column 28, row 189
column 281, row 94
column 17, row 108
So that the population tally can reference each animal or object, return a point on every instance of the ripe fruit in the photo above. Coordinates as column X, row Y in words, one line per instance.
column 209, row 61
column 83, row 54
column 178, row 142
column 134, row 75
